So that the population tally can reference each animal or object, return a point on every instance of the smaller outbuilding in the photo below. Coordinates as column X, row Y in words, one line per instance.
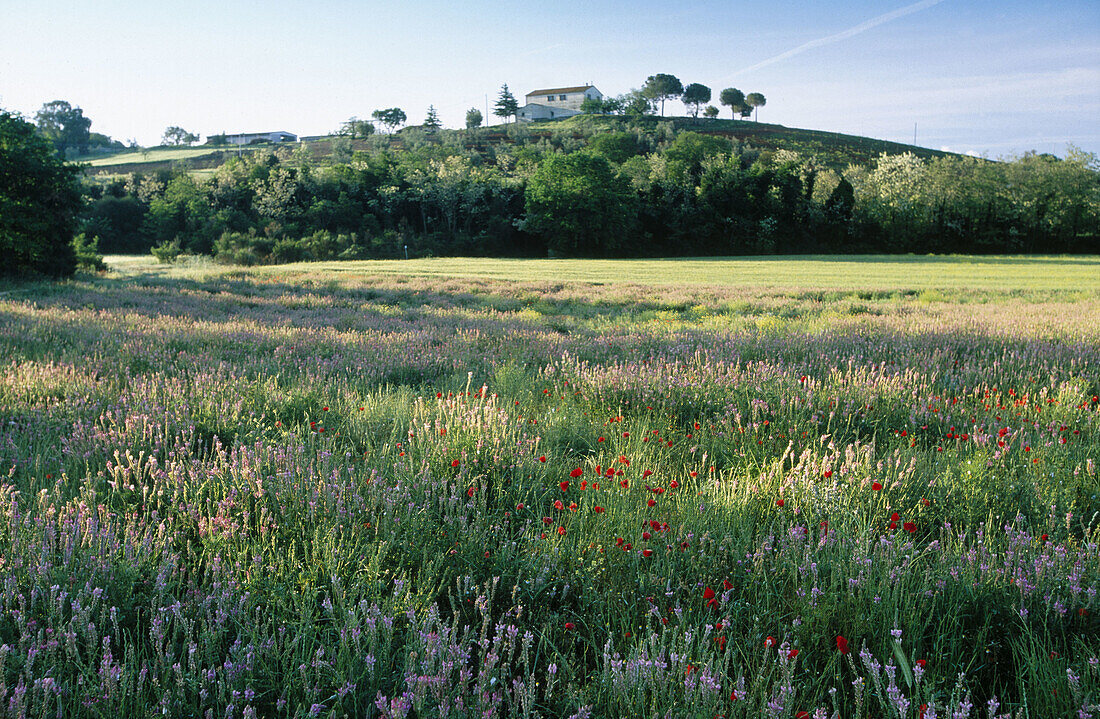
column 247, row 138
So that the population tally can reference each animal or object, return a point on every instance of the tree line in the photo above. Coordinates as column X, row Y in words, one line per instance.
column 626, row 192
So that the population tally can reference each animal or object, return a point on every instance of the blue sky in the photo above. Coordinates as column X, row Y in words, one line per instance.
column 994, row 78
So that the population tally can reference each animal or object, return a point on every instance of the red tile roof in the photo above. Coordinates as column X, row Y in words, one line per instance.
column 558, row 90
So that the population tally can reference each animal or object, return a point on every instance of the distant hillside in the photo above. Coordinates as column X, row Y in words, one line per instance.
column 836, row 150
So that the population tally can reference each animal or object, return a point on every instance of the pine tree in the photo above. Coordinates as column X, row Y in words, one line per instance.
column 431, row 122
column 506, row 104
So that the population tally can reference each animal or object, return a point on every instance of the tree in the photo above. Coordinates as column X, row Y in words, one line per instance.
column 755, row 100
column 711, row 112
column 506, row 104
column 662, row 87
column 178, row 136
column 473, row 118
column 634, row 103
column 64, row 125
column 618, row 147
column 391, row 117
column 695, row 95
column 354, row 127
column 592, row 106
column 431, row 122
column 580, row 206
column 734, row 99
column 39, row 201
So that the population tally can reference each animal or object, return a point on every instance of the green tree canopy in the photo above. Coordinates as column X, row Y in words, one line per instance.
column 615, row 146
column 734, row 99
column 39, row 200
column 354, row 127
column 579, row 206
column 178, row 136
column 431, row 122
column 695, row 96
column 390, row 117
column 506, row 103
column 661, row 87
column 711, row 111
column 473, row 118
column 64, row 125
column 755, row 100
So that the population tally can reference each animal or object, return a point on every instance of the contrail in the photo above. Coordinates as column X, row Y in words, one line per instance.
column 845, row 34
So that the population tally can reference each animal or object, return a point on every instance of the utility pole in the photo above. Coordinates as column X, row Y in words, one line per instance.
column 914, row 134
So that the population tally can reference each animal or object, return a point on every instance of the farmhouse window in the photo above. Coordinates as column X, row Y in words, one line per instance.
column 561, row 97
column 549, row 98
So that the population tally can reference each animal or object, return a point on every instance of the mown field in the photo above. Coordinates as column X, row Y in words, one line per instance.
column 801, row 487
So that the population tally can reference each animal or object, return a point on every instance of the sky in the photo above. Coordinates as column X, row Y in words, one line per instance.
column 990, row 78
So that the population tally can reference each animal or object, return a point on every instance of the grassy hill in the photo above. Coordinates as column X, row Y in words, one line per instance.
column 834, row 149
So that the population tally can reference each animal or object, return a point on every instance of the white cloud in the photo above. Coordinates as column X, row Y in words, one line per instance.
column 844, row 34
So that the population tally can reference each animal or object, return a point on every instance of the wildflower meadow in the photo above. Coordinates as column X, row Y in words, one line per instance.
column 360, row 490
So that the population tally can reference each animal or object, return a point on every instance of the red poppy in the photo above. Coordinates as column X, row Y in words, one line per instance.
column 708, row 593
column 646, row 473
column 727, row 584
column 624, row 483
column 720, row 641
column 618, row 541
column 733, row 695
column 893, row 525
column 558, row 505
column 564, row 485
column 561, row 531
column 647, row 552
column 842, row 645
column 792, row 654
column 547, row 520
column 471, row 490
column 909, row 527
column 542, row 458
column 779, row 502
column 572, row 506
column 646, row 536
column 597, row 509
column 1043, row 538
column 922, row 663
column 454, row 463
column 601, row 439
column 693, row 473
column 570, row 626
column 519, row 506
column 894, row 517
column 769, row 642
column 828, row 473
column 802, row 715
column 673, row 484
column 651, row 502
column 624, row 460
column 576, row 472
column 876, row 486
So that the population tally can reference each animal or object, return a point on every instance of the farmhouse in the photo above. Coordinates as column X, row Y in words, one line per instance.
column 556, row 102
column 245, row 138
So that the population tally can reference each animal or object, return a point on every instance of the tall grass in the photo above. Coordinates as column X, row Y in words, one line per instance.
column 286, row 494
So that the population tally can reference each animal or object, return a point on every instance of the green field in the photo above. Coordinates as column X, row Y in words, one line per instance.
column 882, row 273
column 743, row 487
column 158, row 154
